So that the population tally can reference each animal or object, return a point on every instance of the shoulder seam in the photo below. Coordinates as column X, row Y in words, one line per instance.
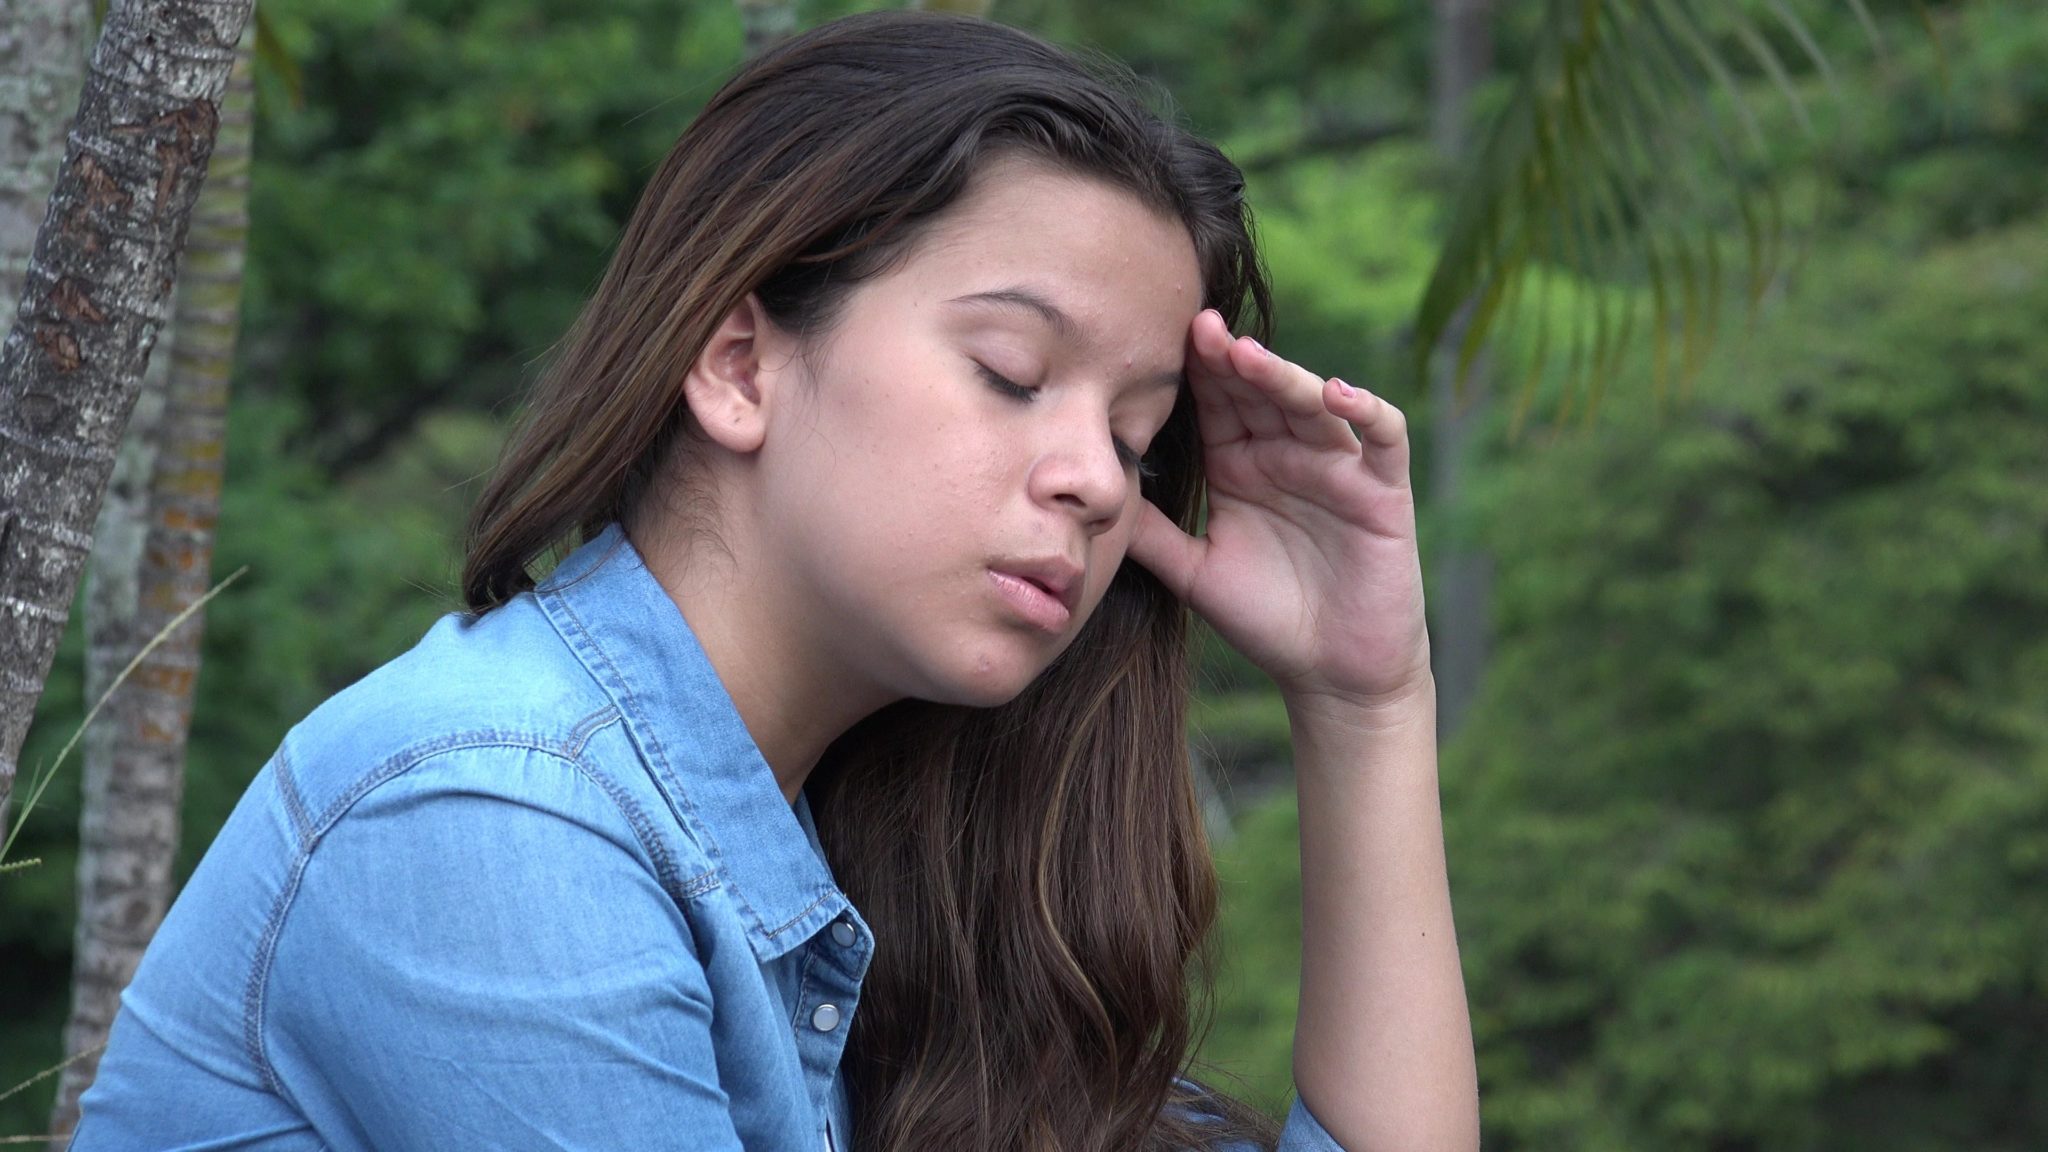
column 310, row 830
column 294, row 804
column 412, row 755
column 654, row 756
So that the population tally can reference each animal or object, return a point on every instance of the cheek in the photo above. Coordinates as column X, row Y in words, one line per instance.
column 910, row 497
column 1110, row 550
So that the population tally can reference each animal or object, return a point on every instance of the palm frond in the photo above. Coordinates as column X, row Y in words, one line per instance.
column 1587, row 178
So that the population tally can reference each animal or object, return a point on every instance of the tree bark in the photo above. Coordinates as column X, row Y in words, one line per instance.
column 1462, row 595
column 128, row 823
column 115, row 568
column 114, row 574
column 94, row 299
column 42, row 64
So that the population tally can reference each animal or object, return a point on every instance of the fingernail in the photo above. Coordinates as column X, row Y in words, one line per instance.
column 1256, row 346
column 1344, row 388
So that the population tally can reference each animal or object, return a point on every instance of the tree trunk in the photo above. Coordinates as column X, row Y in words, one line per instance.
column 94, row 298
column 115, row 572
column 128, row 824
column 1461, row 598
column 42, row 64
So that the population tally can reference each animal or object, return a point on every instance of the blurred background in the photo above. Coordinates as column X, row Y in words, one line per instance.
column 1744, row 667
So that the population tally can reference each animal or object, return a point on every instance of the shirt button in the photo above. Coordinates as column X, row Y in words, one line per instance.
column 843, row 933
column 826, row 1018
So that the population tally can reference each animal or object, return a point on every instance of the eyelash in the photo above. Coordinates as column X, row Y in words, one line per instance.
column 1016, row 391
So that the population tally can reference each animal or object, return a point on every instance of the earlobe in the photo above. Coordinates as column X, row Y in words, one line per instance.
column 723, row 387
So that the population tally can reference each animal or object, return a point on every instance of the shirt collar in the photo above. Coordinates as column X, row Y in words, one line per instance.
column 620, row 622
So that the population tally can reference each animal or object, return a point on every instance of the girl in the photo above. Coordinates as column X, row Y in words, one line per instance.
column 832, row 791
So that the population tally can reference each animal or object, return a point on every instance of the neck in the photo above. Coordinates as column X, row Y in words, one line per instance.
column 791, row 694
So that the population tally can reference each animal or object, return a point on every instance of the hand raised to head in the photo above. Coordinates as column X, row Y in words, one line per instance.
column 1308, row 564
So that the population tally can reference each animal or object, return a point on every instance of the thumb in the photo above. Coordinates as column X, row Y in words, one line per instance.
column 1169, row 553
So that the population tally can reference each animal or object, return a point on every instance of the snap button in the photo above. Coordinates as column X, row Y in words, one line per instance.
column 826, row 1018
column 843, row 933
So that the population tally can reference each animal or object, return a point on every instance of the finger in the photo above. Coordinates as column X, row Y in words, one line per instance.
column 1169, row 553
column 1215, row 412
column 1296, row 392
column 1382, row 429
column 1211, row 371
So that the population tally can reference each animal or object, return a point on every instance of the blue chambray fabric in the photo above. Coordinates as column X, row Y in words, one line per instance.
column 529, row 885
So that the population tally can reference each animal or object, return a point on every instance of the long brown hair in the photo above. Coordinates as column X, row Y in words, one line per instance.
column 1036, row 874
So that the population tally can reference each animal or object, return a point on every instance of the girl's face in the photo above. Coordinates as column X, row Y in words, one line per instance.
column 947, row 483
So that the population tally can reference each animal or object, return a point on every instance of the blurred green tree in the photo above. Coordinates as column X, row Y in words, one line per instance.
column 426, row 220
column 1748, row 825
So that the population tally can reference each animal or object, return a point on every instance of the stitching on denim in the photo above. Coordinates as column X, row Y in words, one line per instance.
column 803, row 987
column 554, row 582
column 791, row 922
column 582, row 641
column 592, row 724
column 665, row 868
column 294, row 804
column 253, row 997
column 405, row 759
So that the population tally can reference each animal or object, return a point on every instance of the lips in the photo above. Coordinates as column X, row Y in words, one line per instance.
column 1056, row 576
column 1044, row 592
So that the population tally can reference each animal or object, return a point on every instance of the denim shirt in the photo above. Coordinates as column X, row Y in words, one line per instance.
column 528, row 885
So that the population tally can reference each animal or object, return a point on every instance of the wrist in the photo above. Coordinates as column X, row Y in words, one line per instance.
column 1410, row 705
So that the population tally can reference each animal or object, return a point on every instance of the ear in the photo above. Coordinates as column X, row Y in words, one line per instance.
column 726, row 387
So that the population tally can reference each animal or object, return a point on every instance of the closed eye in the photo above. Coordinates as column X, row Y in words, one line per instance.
column 1016, row 391
column 1004, row 384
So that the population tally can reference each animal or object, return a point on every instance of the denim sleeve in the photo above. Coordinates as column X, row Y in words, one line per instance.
column 480, row 955
column 1301, row 1133
column 1304, row 1133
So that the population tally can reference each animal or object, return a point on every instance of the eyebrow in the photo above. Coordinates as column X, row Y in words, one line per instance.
column 1063, row 325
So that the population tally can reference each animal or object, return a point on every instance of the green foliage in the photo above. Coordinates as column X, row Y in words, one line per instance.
column 1348, row 243
column 1242, row 724
column 1240, row 69
column 1595, row 167
column 427, row 221
column 1746, row 831
column 1958, row 151
column 1258, row 943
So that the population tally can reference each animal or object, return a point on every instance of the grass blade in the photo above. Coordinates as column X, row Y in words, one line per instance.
column 44, row 777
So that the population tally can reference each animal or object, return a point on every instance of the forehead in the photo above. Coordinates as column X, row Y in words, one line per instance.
column 1125, row 272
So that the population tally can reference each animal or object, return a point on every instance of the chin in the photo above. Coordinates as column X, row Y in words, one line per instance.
column 987, row 678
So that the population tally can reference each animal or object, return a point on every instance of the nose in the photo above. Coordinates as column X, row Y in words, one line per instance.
column 1080, row 473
